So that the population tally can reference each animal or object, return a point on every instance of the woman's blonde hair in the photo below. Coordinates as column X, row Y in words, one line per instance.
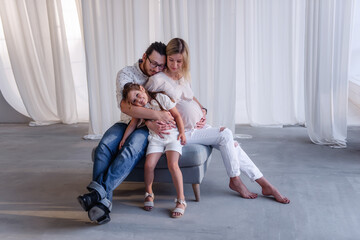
column 178, row 45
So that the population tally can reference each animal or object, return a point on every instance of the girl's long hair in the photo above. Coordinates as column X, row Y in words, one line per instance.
column 128, row 87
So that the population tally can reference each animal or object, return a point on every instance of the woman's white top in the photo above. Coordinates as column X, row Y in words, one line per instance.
column 180, row 91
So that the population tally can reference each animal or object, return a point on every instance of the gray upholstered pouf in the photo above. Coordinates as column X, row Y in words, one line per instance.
column 193, row 163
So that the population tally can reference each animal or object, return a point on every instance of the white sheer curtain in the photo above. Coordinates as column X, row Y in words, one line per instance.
column 278, row 58
column 354, row 70
column 212, row 42
column 115, row 37
column 270, row 56
column 37, row 47
column 118, row 32
column 327, row 47
column 294, row 57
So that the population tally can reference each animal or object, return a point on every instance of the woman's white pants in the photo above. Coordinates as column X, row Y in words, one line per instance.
column 234, row 158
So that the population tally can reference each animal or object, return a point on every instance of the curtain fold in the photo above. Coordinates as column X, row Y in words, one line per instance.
column 37, row 53
column 327, row 46
column 201, row 43
column 64, row 83
column 224, row 64
column 354, row 70
column 111, row 43
column 101, row 94
column 271, row 51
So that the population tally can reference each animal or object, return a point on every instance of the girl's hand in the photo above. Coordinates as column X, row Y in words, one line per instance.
column 121, row 144
column 182, row 138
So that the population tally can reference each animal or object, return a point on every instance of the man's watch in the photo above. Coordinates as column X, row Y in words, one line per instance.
column 204, row 109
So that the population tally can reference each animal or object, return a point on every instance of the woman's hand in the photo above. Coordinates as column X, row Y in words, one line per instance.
column 202, row 121
column 160, row 127
column 182, row 138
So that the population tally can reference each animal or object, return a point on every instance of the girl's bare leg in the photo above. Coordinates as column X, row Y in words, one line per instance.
column 150, row 164
column 177, row 178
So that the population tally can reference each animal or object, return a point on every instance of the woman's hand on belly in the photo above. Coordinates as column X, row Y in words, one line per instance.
column 202, row 121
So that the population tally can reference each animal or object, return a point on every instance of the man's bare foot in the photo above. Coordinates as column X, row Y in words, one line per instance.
column 238, row 186
column 272, row 191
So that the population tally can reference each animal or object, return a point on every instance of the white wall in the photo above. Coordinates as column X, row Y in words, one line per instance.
column 9, row 115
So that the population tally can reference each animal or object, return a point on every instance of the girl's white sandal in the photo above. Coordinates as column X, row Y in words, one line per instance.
column 148, row 205
column 179, row 210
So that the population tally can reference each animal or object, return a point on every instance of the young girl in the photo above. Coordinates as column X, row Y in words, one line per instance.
column 136, row 95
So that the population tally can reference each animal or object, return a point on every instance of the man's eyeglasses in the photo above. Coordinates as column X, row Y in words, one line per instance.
column 154, row 64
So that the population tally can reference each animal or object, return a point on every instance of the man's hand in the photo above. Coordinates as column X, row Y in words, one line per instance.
column 202, row 121
column 166, row 117
column 160, row 127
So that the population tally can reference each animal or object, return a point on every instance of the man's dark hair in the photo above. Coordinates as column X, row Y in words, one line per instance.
column 158, row 47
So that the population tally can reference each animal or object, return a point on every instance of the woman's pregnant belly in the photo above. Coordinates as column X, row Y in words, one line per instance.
column 190, row 112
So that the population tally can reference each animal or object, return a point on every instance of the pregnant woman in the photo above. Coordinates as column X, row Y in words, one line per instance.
column 175, row 81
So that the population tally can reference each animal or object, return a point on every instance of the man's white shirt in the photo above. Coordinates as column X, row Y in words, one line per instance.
column 128, row 74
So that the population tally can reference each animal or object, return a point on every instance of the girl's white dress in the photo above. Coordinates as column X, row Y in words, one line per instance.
column 169, row 142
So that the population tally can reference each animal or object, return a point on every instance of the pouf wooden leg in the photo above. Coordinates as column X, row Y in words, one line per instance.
column 196, row 188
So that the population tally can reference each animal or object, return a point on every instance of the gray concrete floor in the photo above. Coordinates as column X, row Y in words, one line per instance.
column 44, row 169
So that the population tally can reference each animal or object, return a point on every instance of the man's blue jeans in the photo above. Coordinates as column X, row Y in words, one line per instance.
column 111, row 165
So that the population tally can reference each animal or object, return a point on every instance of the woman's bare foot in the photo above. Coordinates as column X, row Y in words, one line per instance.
column 272, row 191
column 238, row 186
column 269, row 190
